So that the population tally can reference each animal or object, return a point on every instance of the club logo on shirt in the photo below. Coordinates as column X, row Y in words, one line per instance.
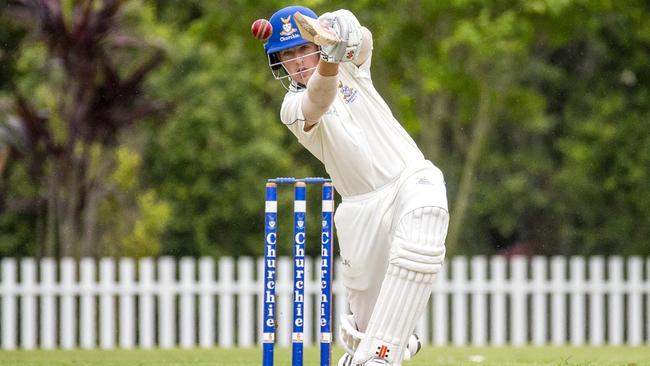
column 424, row 180
column 349, row 94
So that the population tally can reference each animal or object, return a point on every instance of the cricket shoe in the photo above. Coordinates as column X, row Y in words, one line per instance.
column 376, row 362
column 346, row 360
column 413, row 346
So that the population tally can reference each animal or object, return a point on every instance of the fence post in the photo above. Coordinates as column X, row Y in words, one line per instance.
column 498, row 282
column 283, row 300
column 577, row 301
column 615, row 316
column 226, row 302
column 596, row 301
column 479, row 301
column 518, row 322
column 166, row 302
column 647, row 288
column 8, row 293
column 539, row 308
column 127, row 303
column 246, row 304
column 187, row 313
column 48, row 304
column 635, row 301
column 68, row 324
column 206, row 302
column 28, row 304
column 107, row 303
column 146, row 303
column 87, row 326
column 558, row 312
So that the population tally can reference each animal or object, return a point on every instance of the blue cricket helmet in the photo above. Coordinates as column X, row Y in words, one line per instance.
column 285, row 31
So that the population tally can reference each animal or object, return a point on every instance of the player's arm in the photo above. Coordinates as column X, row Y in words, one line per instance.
column 321, row 91
column 342, row 39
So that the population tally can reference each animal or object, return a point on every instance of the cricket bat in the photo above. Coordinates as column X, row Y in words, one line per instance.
column 311, row 30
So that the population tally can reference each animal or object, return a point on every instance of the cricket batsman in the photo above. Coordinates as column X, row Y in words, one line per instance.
column 393, row 218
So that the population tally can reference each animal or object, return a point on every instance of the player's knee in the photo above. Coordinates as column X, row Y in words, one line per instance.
column 416, row 257
column 419, row 243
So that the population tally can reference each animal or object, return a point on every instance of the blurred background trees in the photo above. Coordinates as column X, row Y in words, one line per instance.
column 149, row 127
column 79, row 87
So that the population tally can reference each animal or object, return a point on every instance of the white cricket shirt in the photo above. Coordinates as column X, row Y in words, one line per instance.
column 361, row 144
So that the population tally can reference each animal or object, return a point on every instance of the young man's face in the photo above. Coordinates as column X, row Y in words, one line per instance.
column 300, row 61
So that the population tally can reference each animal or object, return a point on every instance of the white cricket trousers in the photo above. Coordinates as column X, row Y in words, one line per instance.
column 365, row 227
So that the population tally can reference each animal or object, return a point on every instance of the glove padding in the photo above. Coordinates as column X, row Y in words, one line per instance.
column 348, row 28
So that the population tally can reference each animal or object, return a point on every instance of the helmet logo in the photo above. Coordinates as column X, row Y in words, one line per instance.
column 287, row 28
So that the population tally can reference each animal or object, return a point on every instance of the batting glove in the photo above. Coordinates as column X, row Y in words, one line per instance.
column 348, row 28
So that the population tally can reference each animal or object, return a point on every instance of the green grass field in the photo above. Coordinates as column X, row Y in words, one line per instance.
column 430, row 356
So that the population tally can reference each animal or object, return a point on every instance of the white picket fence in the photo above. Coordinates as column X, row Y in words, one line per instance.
column 167, row 303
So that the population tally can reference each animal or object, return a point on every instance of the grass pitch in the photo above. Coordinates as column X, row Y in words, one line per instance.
column 429, row 356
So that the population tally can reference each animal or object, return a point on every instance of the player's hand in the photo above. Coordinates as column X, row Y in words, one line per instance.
column 348, row 28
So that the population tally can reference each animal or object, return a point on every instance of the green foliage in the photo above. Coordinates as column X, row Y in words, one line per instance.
column 125, row 174
column 211, row 157
column 17, row 230
column 10, row 39
column 148, row 228
column 559, row 86
column 537, row 180
column 133, row 218
column 77, row 86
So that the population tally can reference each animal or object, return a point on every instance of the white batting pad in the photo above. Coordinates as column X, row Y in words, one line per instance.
column 416, row 256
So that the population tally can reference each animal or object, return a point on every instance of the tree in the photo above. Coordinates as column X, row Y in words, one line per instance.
column 212, row 155
column 551, row 169
column 534, row 110
column 83, row 91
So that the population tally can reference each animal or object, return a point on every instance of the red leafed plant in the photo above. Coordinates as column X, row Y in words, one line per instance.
column 100, row 95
